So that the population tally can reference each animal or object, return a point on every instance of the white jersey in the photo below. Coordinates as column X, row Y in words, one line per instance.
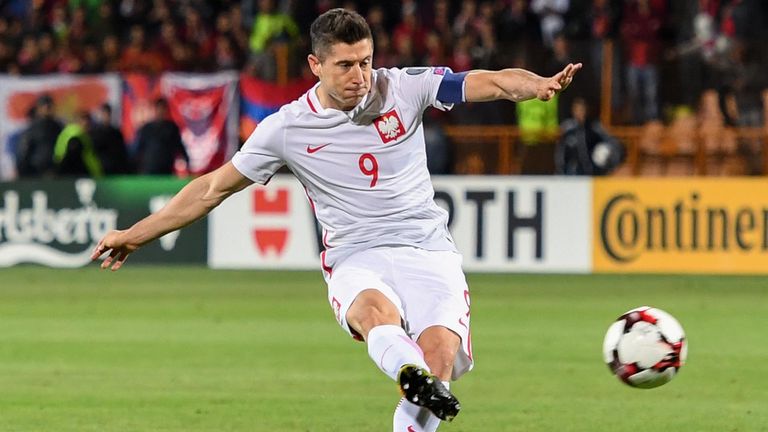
column 365, row 171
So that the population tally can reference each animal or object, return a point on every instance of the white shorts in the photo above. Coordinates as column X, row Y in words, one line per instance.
column 427, row 287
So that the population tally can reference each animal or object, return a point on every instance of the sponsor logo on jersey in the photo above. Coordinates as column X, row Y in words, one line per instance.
column 440, row 70
column 389, row 126
column 316, row 149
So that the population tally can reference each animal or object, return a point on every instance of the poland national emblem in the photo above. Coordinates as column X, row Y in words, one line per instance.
column 389, row 126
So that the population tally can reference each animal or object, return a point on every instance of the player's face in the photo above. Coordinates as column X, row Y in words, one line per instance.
column 345, row 74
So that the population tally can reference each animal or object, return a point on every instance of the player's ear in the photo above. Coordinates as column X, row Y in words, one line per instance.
column 315, row 64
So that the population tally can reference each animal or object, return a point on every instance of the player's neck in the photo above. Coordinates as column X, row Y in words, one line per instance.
column 327, row 102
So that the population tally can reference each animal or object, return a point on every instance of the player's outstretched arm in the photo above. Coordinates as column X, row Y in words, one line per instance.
column 516, row 84
column 193, row 202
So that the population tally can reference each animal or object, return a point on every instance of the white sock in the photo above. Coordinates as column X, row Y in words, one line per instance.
column 390, row 348
column 413, row 418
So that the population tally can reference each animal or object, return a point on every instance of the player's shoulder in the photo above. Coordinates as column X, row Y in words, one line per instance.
column 413, row 71
column 407, row 78
column 300, row 108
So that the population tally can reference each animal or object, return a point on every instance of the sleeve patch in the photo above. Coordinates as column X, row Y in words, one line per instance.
column 415, row 71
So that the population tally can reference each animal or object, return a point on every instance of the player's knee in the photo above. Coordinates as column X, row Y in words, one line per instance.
column 370, row 316
column 371, row 310
column 440, row 346
column 440, row 362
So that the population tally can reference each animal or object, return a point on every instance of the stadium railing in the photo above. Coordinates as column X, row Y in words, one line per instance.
column 652, row 149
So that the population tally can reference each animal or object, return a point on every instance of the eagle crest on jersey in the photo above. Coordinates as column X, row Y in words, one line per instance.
column 389, row 126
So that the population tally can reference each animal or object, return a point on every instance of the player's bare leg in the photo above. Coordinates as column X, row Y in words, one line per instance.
column 440, row 346
column 377, row 320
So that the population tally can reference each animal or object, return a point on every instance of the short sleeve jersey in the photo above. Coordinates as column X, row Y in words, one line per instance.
column 365, row 170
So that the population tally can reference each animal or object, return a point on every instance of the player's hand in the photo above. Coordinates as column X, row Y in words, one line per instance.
column 117, row 247
column 557, row 83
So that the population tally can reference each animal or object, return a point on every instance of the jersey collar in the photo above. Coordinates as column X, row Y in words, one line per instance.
column 363, row 112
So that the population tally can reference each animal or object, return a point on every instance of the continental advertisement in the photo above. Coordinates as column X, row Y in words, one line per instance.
column 57, row 223
column 696, row 225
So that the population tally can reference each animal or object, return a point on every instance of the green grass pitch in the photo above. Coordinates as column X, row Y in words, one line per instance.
column 191, row 349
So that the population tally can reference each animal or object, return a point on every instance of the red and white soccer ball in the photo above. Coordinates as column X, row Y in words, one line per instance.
column 645, row 347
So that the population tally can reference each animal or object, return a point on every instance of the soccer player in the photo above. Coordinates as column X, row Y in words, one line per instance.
column 355, row 141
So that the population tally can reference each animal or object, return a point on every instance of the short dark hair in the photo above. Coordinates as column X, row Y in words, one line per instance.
column 337, row 25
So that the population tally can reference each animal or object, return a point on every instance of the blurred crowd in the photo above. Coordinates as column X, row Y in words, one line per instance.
column 660, row 47
column 664, row 54
column 91, row 146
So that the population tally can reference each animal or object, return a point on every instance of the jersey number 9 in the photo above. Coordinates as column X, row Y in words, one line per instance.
column 368, row 160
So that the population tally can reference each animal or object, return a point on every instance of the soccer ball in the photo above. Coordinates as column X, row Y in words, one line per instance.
column 645, row 347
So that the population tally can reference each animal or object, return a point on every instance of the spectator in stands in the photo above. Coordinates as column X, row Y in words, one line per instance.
column 484, row 53
column 8, row 164
column 198, row 35
column 435, row 50
column 386, row 56
column 551, row 16
column 375, row 19
column 167, row 38
column 132, row 12
column 699, row 47
column 49, row 55
column 34, row 154
column 440, row 22
column 91, row 8
column 742, row 82
column 230, row 50
column 59, row 22
column 585, row 148
column 640, row 30
column 108, row 143
column 518, row 26
column 28, row 57
column 558, row 57
column 73, row 154
column 405, row 52
column 106, row 22
column 225, row 54
column 110, row 51
column 461, row 58
column 538, row 125
column 742, row 85
column 138, row 56
column 158, row 143
column 591, row 24
column 78, row 27
column 240, row 29
column 409, row 32
column 270, row 26
column 6, row 54
column 69, row 61
column 462, row 24
column 92, row 63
